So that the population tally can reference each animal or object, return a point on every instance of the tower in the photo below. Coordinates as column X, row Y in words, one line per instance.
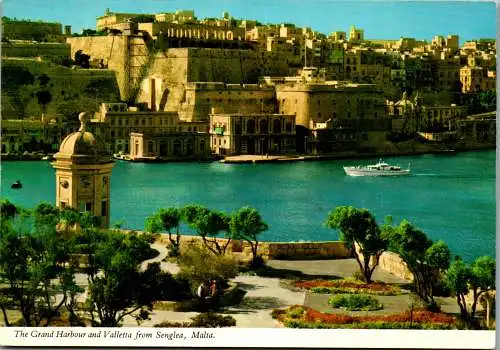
column 83, row 173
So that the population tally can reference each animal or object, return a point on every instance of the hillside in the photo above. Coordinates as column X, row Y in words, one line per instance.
column 31, row 87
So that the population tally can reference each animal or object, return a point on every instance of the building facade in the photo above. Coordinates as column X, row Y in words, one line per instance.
column 233, row 134
column 115, row 123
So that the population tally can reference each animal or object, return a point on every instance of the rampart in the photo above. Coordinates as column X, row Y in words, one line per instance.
column 36, row 50
column 112, row 50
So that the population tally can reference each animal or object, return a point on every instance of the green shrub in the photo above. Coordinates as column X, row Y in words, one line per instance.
column 212, row 320
column 355, row 302
column 295, row 313
column 197, row 265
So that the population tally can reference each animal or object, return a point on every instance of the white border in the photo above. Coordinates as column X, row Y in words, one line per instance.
column 250, row 337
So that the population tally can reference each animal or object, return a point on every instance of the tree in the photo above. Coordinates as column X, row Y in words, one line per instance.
column 169, row 220
column 121, row 289
column 44, row 97
column 478, row 278
column 424, row 258
column 359, row 228
column 208, row 224
column 32, row 266
column 246, row 224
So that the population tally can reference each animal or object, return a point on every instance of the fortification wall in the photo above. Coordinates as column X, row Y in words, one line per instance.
column 173, row 68
column 35, row 50
column 113, row 50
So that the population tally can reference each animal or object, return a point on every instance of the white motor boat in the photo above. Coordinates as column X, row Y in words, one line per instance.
column 379, row 169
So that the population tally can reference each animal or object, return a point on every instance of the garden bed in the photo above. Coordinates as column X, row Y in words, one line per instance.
column 347, row 286
column 303, row 317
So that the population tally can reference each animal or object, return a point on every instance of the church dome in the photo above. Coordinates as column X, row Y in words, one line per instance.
column 83, row 147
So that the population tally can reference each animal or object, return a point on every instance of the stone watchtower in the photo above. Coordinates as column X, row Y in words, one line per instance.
column 83, row 173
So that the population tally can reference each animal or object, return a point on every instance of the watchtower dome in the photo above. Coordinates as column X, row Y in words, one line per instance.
column 83, row 173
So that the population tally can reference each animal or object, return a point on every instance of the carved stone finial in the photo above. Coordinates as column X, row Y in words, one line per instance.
column 83, row 117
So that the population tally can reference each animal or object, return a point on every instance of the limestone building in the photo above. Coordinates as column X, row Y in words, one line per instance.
column 158, row 145
column 20, row 135
column 476, row 79
column 411, row 116
column 83, row 173
column 115, row 122
column 233, row 134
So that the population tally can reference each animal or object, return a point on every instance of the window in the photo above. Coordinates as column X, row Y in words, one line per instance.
column 63, row 205
column 88, row 206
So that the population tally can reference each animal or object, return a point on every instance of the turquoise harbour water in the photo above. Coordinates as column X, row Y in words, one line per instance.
column 450, row 197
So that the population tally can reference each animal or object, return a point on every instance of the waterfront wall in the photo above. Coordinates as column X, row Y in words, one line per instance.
column 389, row 262
column 276, row 250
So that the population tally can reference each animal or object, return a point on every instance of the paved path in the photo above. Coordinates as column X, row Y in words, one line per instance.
column 332, row 268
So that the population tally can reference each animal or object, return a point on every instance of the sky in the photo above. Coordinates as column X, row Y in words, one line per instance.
column 379, row 19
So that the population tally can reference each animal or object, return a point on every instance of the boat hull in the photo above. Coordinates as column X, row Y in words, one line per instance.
column 353, row 171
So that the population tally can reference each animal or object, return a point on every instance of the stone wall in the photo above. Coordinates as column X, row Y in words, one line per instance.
column 276, row 250
column 112, row 50
column 393, row 264
column 173, row 68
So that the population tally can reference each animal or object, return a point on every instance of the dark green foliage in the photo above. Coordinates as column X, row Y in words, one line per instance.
column 14, row 77
column 477, row 278
column 355, row 302
column 203, row 320
column 169, row 220
column 212, row 320
column 425, row 259
column 44, row 97
column 246, row 224
column 208, row 224
column 32, row 259
column 7, row 210
column 122, row 289
column 358, row 227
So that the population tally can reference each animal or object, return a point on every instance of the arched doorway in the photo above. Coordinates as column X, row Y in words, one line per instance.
column 189, row 148
column 251, row 126
column 150, row 147
column 163, row 148
column 177, row 148
column 263, row 126
column 276, row 126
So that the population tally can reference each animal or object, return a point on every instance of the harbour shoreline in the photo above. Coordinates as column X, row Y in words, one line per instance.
column 390, row 150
